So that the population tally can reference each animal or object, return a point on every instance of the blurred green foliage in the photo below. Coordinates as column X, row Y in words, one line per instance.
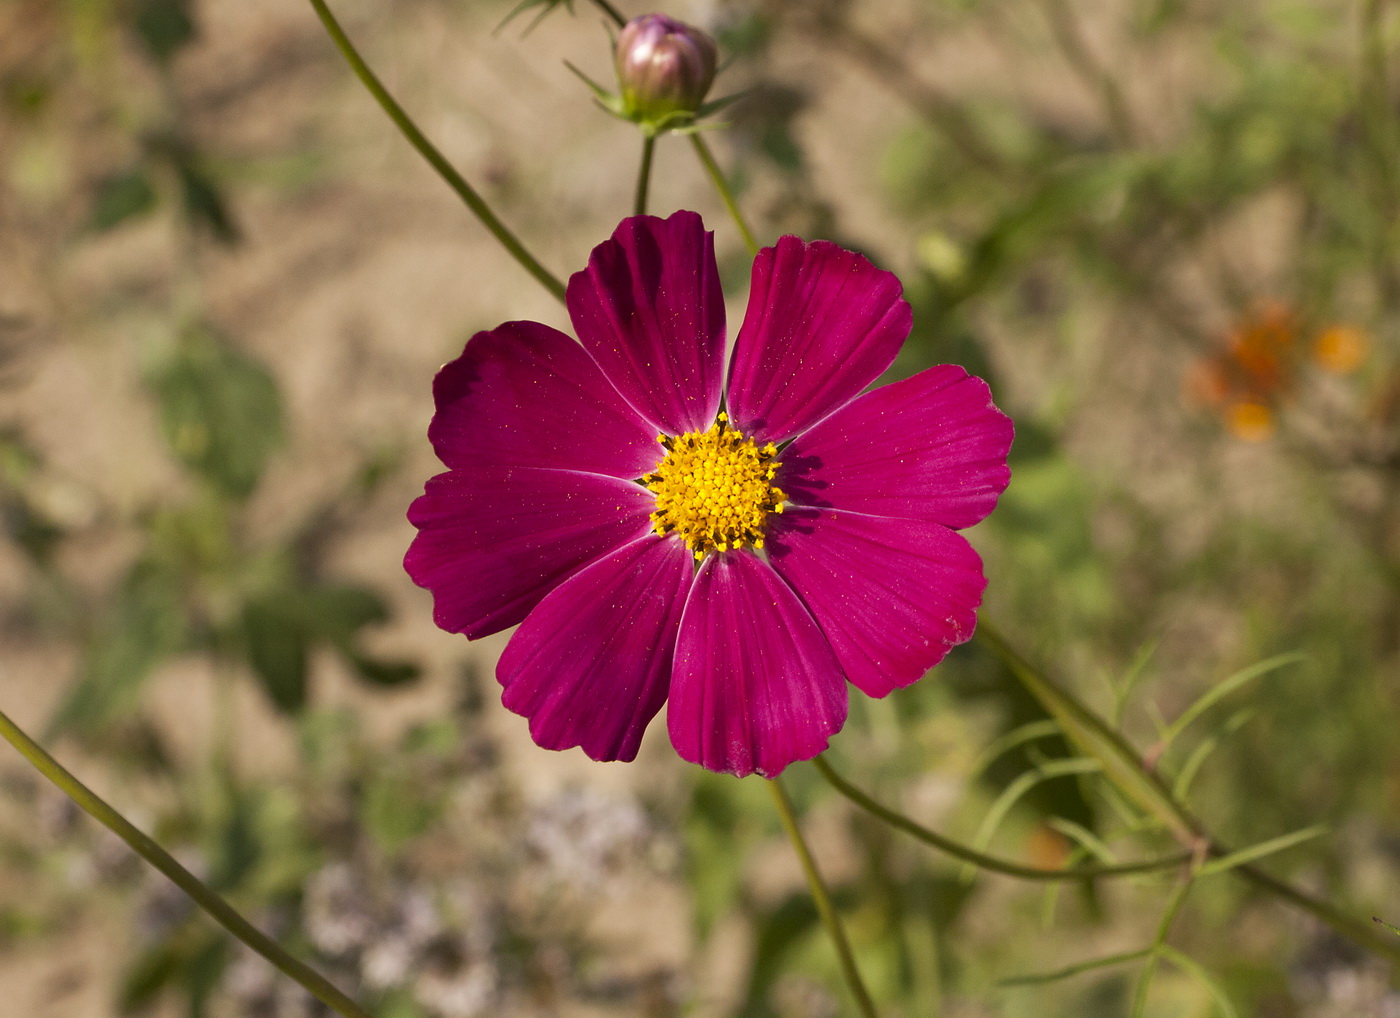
column 1086, row 257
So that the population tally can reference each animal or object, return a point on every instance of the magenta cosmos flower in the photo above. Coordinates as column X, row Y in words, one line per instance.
column 739, row 544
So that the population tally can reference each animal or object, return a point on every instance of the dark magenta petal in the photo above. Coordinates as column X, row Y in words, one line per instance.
column 650, row 310
column 591, row 665
column 931, row 447
column 821, row 325
column 527, row 394
column 755, row 685
column 492, row 542
column 892, row 596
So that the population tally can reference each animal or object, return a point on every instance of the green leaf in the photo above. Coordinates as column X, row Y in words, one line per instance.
column 220, row 410
column 164, row 26
column 282, row 626
column 609, row 101
column 203, row 974
column 152, row 972
column 1181, row 787
column 384, row 673
column 1016, row 790
column 1197, row 971
column 395, row 809
column 716, row 830
column 1036, row 979
column 338, row 613
column 121, row 197
column 547, row 7
column 1121, row 763
column 144, row 624
column 776, row 934
column 1045, row 728
column 1225, row 688
column 277, row 648
column 203, row 202
column 1084, row 838
column 1269, row 847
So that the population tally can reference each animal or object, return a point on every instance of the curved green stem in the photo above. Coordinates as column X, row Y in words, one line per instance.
column 721, row 185
column 639, row 207
column 220, row 910
column 1125, row 768
column 987, row 862
column 822, row 898
column 436, row 159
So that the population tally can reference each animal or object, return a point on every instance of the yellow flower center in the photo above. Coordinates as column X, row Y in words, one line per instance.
column 714, row 488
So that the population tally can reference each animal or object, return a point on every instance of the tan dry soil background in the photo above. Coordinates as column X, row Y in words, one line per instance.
column 355, row 286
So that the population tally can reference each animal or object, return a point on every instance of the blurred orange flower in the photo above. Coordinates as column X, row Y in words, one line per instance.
column 1258, row 370
column 1341, row 349
column 1247, row 380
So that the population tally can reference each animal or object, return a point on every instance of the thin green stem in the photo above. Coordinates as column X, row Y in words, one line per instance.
column 721, row 185
column 1077, row 969
column 822, row 898
column 611, row 11
column 639, row 207
column 987, row 862
column 435, row 159
column 220, row 910
column 1144, row 980
column 1124, row 766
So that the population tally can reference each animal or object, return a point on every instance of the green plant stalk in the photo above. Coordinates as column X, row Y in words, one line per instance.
column 639, row 207
column 1120, row 762
column 1127, row 771
column 979, row 859
column 830, row 919
column 713, row 171
column 1144, row 980
column 436, row 159
column 220, row 910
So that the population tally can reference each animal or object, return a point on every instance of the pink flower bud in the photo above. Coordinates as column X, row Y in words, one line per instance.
column 664, row 67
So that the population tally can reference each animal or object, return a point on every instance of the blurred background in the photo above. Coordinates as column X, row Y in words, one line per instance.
column 1167, row 231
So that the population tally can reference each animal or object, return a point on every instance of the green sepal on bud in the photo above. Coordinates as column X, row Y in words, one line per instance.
column 664, row 70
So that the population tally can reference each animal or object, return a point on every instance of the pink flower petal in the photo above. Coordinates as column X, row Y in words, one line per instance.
column 892, row 596
column 591, row 665
column 492, row 542
column 821, row 325
column 527, row 394
column 755, row 685
column 650, row 310
column 931, row 447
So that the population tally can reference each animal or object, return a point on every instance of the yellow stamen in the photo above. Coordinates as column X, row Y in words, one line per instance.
column 713, row 489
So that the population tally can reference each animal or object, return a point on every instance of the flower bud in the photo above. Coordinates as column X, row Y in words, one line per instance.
column 664, row 67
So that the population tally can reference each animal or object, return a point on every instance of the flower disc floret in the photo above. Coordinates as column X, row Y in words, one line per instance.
column 714, row 488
